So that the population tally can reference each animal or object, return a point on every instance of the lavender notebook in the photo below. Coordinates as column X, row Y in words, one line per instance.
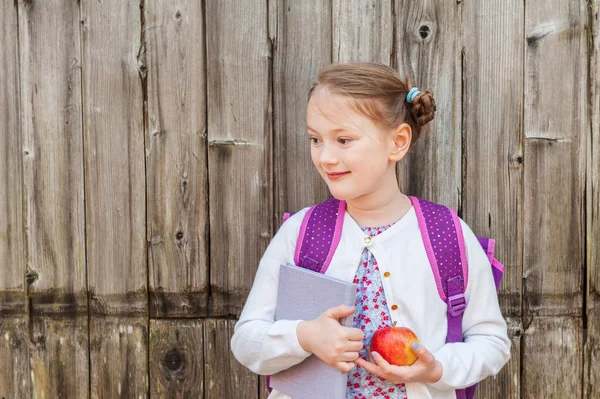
column 304, row 295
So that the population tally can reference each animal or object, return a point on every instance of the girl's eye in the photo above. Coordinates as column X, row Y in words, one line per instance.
column 343, row 141
column 314, row 140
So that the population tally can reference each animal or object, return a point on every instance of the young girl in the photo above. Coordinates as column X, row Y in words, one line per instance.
column 361, row 120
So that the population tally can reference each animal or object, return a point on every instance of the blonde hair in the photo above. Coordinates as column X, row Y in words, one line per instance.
column 378, row 92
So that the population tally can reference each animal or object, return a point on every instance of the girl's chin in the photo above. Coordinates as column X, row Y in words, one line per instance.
column 342, row 195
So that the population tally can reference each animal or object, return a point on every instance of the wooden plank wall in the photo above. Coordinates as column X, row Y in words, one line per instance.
column 591, row 368
column 148, row 150
column 492, row 93
column 14, row 337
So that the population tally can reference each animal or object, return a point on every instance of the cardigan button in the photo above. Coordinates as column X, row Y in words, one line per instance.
column 394, row 307
column 386, row 274
column 368, row 240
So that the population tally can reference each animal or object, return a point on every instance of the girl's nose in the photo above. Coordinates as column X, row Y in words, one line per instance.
column 328, row 155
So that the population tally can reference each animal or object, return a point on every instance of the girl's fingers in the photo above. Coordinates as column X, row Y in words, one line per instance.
column 369, row 355
column 424, row 355
column 354, row 346
column 355, row 334
column 348, row 356
column 381, row 362
column 370, row 367
column 344, row 366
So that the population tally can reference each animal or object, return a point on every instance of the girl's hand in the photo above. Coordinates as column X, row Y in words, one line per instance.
column 336, row 345
column 426, row 369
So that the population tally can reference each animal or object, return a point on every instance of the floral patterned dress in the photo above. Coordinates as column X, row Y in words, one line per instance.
column 371, row 314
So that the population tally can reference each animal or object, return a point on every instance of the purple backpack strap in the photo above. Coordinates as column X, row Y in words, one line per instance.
column 319, row 235
column 488, row 246
column 445, row 247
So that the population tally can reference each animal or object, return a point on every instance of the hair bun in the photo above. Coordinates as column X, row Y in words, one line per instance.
column 423, row 107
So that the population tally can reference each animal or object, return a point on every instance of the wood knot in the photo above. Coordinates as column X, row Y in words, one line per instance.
column 174, row 360
column 31, row 276
column 179, row 235
column 425, row 31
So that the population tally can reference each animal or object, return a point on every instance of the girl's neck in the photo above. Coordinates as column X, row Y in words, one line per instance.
column 378, row 209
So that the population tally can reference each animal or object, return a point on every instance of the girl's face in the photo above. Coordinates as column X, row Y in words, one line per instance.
column 352, row 154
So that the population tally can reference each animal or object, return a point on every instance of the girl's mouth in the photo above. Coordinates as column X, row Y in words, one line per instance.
column 337, row 175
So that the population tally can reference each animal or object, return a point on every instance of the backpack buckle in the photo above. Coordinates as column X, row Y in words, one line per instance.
column 457, row 304
column 310, row 264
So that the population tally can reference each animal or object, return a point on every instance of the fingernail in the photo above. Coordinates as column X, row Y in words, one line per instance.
column 415, row 346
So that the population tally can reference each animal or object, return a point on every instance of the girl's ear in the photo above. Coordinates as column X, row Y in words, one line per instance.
column 401, row 137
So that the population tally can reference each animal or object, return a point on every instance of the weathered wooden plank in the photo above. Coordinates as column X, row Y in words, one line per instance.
column 118, row 356
column 14, row 341
column 14, row 355
column 176, row 359
column 263, row 391
column 492, row 133
column 428, row 52
column 59, row 359
column 176, row 159
column 53, row 196
column 492, row 144
column 552, row 358
column 556, row 124
column 12, row 289
column 239, row 138
column 224, row 377
column 300, row 32
column 592, row 345
column 556, row 130
column 113, row 73
column 363, row 31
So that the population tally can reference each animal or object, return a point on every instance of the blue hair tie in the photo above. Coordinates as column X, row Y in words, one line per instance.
column 414, row 92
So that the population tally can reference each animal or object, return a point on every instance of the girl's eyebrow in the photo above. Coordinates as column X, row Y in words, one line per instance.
column 332, row 131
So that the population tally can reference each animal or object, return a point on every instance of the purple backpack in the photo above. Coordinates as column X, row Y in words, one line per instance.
column 439, row 226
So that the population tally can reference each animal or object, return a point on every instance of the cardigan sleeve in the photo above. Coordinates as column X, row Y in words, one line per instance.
column 263, row 345
column 486, row 347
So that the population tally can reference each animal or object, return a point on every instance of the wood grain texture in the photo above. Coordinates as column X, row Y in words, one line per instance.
column 15, row 377
column 14, row 339
column 59, row 361
column 298, row 31
column 53, row 190
column 176, row 159
column 224, row 377
column 552, row 358
column 176, row 359
column 114, row 157
column 263, row 391
column 239, row 138
column 555, row 131
column 492, row 144
column 363, row 31
column 12, row 278
column 592, row 345
column 113, row 72
column 492, row 134
column 556, row 124
column 118, row 357
column 428, row 52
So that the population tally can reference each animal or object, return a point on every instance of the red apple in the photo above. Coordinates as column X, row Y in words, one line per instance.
column 394, row 344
